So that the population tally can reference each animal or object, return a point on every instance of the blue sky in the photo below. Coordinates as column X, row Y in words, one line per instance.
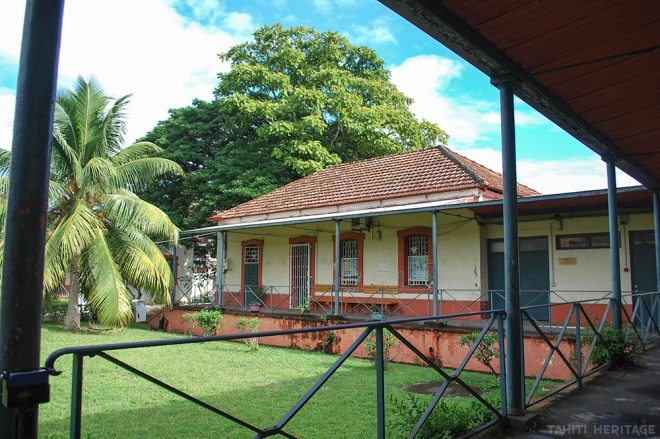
column 163, row 52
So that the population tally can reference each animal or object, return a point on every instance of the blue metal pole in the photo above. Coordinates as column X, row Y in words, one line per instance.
column 337, row 266
column 27, row 203
column 380, row 382
column 434, row 217
column 656, row 223
column 613, row 219
column 174, row 274
column 220, row 274
column 514, row 345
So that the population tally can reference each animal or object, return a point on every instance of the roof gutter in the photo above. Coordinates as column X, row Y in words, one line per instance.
column 436, row 206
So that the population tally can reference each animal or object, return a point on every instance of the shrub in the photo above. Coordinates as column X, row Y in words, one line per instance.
column 451, row 417
column 210, row 320
column 389, row 341
column 56, row 309
column 618, row 348
column 246, row 325
column 486, row 352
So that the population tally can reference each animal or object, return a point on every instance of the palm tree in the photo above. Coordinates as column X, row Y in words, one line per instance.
column 100, row 232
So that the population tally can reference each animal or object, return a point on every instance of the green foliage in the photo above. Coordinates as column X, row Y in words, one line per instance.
column 245, row 326
column 329, row 339
column 451, row 417
column 56, row 309
column 293, row 102
column 98, row 229
column 210, row 320
column 389, row 341
column 486, row 352
column 618, row 348
column 304, row 306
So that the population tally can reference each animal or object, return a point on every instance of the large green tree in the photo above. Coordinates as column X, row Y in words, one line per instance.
column 99, row 231
column 293, row 102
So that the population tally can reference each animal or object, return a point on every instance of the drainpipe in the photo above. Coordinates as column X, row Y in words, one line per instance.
column 337, row 267
column 220, row 270
column 434, row 226
column 613, row 219
column 514, row 337
column 25, row 224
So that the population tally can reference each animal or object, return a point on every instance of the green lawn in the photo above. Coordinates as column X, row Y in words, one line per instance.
column 257, row 386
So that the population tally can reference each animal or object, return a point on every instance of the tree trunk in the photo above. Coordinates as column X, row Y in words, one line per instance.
column 72, row 320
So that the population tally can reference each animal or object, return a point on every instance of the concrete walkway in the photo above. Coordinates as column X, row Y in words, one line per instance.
column 614, row 404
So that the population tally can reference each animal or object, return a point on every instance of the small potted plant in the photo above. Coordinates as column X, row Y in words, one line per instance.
column 377, row 312
column 257, row 299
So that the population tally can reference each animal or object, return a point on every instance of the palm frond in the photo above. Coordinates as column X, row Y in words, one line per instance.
column 126, row 208
column 138, row 174
column 103, row 284
column 71, row 236
column 113, row 126
column 135, row 151
column 65, row 160
column 5, row 162
column 57, row 191
column 141, row 266
column 99, row 174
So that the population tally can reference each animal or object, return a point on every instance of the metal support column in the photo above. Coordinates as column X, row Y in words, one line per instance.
column 514, row 342
column 656, row 223
column 337, row 267
column 613, row 219
column 434, row 231
column 25, row 226
column 175, row 267
column 380, row 382
column 220, row 270
column 75, row 421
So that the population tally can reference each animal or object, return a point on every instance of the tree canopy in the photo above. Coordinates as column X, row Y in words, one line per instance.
column 293, row 102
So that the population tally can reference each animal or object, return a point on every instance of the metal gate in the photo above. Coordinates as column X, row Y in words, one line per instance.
column 299, row 275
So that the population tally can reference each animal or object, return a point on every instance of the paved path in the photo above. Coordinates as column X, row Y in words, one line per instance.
column 614, row 404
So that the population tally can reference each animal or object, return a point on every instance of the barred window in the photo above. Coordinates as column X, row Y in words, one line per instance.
column 251, row 255
column 418, row 260
column 349, row 262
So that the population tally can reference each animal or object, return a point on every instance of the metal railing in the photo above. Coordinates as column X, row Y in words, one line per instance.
column 641, row 323
column 390, row 302
column 81, row 353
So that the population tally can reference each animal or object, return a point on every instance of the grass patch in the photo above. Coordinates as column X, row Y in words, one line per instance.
column 258, row 386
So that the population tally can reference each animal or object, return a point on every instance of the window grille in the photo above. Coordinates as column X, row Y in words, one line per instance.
column 418, row 260
column 349, row 262
column 251, row 255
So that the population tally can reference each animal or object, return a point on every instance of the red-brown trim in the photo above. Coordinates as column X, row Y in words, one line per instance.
column 403, row 270
column 359, row 237
column 311, row 240
column 259, row 243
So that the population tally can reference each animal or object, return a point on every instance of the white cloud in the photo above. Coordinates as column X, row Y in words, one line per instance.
column 7, row 102
column 377, row 32
column 239, row 22
column 163, row 59
column 553, row 176
column 427, row 79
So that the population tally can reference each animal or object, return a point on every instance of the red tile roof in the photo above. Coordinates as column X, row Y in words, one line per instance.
column 420, row 172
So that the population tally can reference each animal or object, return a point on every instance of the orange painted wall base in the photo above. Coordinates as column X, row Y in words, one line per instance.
column 441, row 345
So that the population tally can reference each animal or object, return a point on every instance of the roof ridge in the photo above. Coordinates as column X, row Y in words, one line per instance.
column 474, row 162
column 369, row 159
column 451, row 156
